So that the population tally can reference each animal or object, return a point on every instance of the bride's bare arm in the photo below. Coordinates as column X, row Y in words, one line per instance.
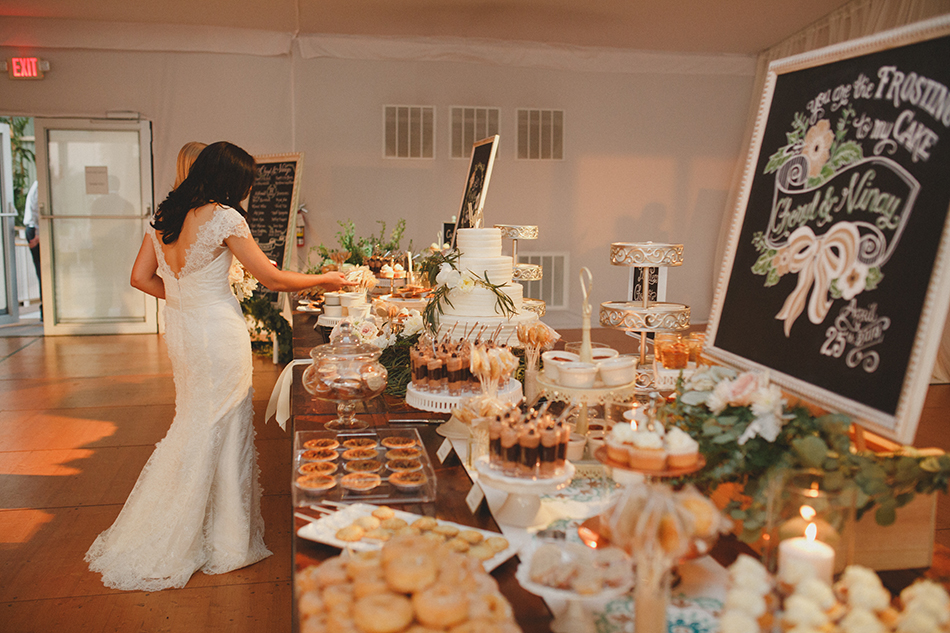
column 255, row 261
column 145, row 271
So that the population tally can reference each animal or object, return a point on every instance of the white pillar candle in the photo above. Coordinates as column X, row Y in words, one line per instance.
column 806, row 551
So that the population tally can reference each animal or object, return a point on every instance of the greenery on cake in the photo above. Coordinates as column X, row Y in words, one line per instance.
column 751, row 436
column 442, row 272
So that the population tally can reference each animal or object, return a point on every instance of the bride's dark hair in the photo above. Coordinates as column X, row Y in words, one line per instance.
column 222, row 173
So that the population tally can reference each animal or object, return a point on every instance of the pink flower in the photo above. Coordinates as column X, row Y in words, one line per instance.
column 742, row 389
column 817, row 149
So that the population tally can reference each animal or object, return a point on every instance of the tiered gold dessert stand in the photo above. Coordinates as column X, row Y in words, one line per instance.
column 523, row 272
column 645, row 316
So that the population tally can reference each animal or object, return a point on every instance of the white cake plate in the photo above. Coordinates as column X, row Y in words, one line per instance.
column 521, row 507
column 442, row 402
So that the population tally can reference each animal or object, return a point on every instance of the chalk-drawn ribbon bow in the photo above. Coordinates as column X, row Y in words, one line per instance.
column 818, row 261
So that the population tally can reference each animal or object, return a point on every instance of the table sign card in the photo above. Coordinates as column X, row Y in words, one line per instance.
column 476, row 185
column 444, row 451
column 474, row 497
column 837, row 273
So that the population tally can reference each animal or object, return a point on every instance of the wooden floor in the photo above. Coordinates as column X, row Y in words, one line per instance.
column 79, row 416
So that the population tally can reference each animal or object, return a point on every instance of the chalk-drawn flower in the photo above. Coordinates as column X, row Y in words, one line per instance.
column 817, row 148
column 781, row 261
column 852, row 282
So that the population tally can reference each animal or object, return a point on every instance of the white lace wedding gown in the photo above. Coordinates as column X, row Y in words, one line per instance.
column 196, row 504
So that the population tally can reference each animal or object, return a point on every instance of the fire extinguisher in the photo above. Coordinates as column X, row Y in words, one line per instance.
column 300, row 227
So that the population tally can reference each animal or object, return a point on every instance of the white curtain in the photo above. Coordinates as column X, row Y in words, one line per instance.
column 853, row 20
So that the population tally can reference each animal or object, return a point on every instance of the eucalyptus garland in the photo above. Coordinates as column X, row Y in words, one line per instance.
column 882, row 482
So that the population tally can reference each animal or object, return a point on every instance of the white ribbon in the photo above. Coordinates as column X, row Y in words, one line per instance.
column 279, row 402
column 817, row 261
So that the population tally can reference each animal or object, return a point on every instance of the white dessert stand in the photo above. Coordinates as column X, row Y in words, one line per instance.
column 443, row 402
column 576, row 617
column 521, row 507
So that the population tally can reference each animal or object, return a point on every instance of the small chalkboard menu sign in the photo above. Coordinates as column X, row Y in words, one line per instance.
column 273, row 202
column 837, row 274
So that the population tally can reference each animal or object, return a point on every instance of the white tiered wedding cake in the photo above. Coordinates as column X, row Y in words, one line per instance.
column 480, row 254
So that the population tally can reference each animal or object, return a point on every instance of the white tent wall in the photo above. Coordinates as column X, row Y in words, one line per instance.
column 650, row 151
column 648, row 156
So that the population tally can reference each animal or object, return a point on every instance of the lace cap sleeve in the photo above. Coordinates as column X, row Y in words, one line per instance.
column 228, row 222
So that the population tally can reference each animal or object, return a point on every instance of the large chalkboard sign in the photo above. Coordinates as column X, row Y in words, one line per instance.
column 273, row 202
column 837, row 276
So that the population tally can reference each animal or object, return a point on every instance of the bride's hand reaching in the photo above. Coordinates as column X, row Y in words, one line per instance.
column 334, row 280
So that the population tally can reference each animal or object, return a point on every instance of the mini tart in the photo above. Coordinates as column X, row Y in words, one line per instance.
column 318, row 455
column 360, row 482
column 360, row 453
column 323, row 442
column 359, row 442
column 395, row 441
column 408, row 480
column 403, row 453
column 316, row 482
column 404, row 465
column 363, row 466
column 317, row 468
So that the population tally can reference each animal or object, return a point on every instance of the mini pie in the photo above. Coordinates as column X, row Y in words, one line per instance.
column 395, row 441
column 403, row 453
column 409, row 480
column 325, row 442
column 360, row 453
column 359, row 442
column 360, row 482
column 316, row 482
column 317, row 468
column 404, row 465
column 318, row 455
column 363, row 466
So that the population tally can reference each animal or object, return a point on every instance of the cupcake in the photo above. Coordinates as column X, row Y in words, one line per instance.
column 682, row 450
column 646, row 451
column 618, row 443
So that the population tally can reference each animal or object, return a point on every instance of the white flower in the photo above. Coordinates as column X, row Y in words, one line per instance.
column 413, row 324
column 448, row 276
column 467, row 284
column 718, row 400
column 767, row 426
column 243, row 284
column 767, row 401
column 852, row 282
column 383, row 340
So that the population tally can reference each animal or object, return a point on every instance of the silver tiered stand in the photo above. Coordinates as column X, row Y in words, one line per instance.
column 523, row 272
column 645, row 316
column 585, row 397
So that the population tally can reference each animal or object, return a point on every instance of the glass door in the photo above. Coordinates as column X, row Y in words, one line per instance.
column 95, row 200
column 9, row 304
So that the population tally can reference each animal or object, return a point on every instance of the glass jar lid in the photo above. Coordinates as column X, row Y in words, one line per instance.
column 345, row 345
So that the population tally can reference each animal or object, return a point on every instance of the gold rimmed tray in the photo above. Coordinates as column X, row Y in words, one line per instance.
column 657, row 317
column 643, row 254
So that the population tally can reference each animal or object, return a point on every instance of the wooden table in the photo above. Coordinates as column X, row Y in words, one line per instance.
column 453, row 482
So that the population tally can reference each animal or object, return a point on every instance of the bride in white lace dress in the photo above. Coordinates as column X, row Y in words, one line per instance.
column 196, row 504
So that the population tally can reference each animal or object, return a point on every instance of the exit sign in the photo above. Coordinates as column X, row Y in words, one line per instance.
column 26, row 68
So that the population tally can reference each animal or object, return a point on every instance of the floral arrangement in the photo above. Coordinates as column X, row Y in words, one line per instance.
column 394, row 336
column 750, row 435
column 441, row 270
column 355, row 250
column 243, row 283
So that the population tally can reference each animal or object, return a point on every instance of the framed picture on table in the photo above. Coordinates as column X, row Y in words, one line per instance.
column 837, row 271
column 476, row 185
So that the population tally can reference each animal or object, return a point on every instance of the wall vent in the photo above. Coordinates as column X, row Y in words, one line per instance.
column 470, row 125
column 541, row 134
column 552, row 287
column 409, row 131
